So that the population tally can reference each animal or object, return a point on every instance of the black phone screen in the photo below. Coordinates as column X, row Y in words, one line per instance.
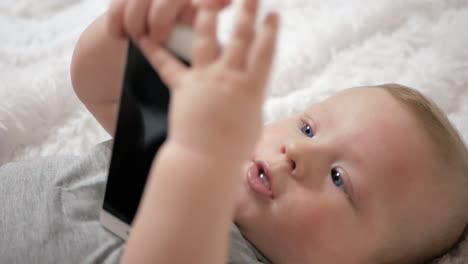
column 140, row 131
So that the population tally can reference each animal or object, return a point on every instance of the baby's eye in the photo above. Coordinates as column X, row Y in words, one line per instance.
column 336, row 178
column 307, row 130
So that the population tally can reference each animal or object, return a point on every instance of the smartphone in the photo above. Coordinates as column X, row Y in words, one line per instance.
column 141, row 129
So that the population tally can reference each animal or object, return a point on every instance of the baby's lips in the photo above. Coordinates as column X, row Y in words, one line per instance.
column 263, row 166
column 255, row 183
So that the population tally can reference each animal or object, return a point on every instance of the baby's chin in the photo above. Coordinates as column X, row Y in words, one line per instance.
column 241, row 206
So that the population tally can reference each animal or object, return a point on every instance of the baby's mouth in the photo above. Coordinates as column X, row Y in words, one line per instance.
column 258, row 179
column 264, row 178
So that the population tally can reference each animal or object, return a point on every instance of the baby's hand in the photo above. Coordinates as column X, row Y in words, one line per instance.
column 216, row 105
column 135, row 18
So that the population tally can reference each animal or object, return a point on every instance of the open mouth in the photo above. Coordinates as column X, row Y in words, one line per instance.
column 258, row 179
column 263, row 176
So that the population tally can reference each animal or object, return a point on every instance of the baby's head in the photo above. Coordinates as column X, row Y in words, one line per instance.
column 370, row 175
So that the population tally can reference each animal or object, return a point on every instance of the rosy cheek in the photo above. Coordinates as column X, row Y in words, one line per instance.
column 312, row 222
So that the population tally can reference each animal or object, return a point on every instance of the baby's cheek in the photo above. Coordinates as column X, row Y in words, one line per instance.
column 315, row 223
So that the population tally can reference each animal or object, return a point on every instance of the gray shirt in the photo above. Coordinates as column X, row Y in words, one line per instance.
column 49, row 213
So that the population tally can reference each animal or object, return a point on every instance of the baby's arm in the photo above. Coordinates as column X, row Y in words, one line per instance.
column 97, row 70
column 98, row 61
column 215, row 122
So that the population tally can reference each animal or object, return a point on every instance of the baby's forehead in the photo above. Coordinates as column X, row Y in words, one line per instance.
column 353, row 98
column 361, row 106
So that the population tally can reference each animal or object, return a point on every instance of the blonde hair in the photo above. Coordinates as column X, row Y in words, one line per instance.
column 452, row 152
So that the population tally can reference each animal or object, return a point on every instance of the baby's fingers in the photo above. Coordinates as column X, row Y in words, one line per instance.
column 237, row 49
column 205, row 43
column 115, row 18
column 162, row 15
column 261, row 55
column 135, row 17
column 169, row 68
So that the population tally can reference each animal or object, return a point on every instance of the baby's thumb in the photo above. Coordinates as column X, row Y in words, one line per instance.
column 169, row 68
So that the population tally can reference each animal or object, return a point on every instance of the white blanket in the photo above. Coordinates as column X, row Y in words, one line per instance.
column 325, row 46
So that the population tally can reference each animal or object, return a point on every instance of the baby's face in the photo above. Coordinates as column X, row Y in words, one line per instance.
column 343, row 180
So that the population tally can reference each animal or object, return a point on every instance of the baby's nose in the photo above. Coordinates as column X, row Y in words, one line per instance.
column 289, row 160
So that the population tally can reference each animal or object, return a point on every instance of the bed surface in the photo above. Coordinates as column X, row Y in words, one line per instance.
column 324, row 47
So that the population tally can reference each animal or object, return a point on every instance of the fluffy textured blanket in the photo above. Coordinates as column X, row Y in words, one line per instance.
column 325, row 46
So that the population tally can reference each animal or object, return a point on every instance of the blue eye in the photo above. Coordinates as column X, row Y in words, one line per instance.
column 307, row 130
column 336, row 178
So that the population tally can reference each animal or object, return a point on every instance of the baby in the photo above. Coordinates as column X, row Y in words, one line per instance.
column 370, row 175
